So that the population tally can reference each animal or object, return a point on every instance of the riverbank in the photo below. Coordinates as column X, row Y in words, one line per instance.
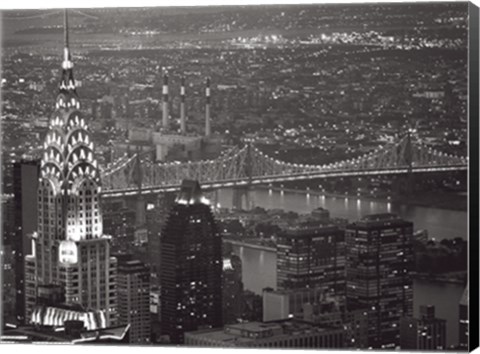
column 444, row 278
column 445, row 200
column 250, row 244
column 459, row 278
column 318, row 193
column 439, row 200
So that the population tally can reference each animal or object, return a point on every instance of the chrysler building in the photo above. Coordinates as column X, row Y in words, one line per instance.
column 71, row 260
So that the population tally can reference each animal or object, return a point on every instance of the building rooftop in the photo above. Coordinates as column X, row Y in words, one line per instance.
column 379, row 220
column 128, row 264
column 380, row 217
column 309, row 229
column 316, row 290
column 190, row 193
column 28, row 334
column 248, row 332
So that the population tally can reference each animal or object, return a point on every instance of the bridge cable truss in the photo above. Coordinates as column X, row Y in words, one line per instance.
column 249, row 166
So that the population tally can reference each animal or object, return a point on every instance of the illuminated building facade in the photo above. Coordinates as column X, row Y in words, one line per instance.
column 379, row 258
column 310, row 256
column 73, row 332
column 69, row 248
column 191, row 266
column 56, row 316
column 133, row 298
column 232, row 288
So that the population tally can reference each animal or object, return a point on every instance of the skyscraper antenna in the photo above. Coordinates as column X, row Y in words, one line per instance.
column 65, row 26
column 67, row 63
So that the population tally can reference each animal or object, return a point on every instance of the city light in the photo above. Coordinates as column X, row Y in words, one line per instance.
column 144, row 149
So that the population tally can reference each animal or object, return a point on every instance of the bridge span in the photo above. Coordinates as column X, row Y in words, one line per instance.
column 248, row 166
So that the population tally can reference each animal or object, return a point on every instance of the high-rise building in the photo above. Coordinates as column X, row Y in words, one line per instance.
column 119, row 222
column 463, row 320
column 8, row 274
column 7, row 267
column 69, row 248
column 317, row 307
column 8, row 219
column 311, row 255
column 357, row 326
column 25, row 184
column 379, row 259
column 251, row 306
column 424, row 333
column 156, row 216
column 191, row 266
column 232, row 288
column 133, row 297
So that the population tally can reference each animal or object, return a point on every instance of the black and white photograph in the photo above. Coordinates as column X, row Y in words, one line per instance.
column 277, row 176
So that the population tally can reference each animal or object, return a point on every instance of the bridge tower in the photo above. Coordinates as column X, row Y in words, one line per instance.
column 408, row 159
column 140, row 218
column 244, row 191
column 241, row 193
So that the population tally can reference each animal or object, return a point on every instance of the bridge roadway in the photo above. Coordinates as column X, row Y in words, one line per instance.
column 259, row 180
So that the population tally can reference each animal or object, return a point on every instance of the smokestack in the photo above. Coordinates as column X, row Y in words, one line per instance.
column 165, row 100
column 207, row 109
column 182, row 106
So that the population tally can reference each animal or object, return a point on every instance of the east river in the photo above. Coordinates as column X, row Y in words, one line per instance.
column 259, row 267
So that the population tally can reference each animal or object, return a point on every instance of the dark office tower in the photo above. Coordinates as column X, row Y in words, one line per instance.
column 8, row 293
column 133, row 298
column 311, row 255
column 8, row 219
column 232, row 289
column 424, row 333
column 463, row 320
column 191, row 266
column 8, row 276
column 379, row 259
column 156, row 216
column 25, row 184
column 70, row 250
column 154, row 230
column 119, row 222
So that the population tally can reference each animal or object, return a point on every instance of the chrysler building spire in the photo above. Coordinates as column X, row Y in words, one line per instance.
column 67, row 84
column 67, row 62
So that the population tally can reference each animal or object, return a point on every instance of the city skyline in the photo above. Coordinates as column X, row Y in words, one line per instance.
column 224, row 176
